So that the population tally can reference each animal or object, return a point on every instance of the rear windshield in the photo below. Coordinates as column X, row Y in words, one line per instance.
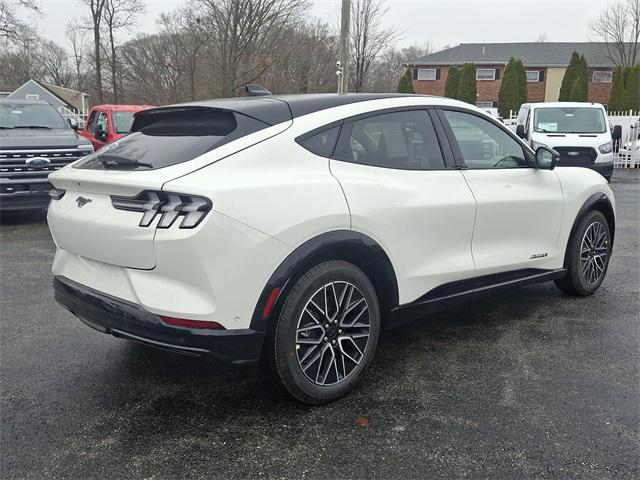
column 170, row 136
column 569, row 120
column 35, row 115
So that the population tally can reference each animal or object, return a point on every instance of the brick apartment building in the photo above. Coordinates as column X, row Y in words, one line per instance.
column 545, row 64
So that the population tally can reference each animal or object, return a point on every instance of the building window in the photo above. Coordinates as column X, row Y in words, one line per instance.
column 486, row 74
column 484, row 104
column 533, row 75
column 600, row 76
column 426, row 74
column 32, row 96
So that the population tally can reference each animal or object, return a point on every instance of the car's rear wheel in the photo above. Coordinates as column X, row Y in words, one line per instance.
column 589, row 252
column 326, row 333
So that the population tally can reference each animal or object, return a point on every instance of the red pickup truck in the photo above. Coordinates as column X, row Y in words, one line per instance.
column 108, row 123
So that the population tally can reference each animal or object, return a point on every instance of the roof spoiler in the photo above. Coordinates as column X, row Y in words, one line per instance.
column 255, row 90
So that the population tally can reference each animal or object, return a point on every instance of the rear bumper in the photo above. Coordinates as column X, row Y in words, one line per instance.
column 127, row 320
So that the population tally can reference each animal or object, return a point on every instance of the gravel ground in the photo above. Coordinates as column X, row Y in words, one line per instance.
column 531, row 383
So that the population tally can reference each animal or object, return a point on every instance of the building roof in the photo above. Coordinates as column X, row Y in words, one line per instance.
column 8, row 88
column 532, row 54
column 72, row 98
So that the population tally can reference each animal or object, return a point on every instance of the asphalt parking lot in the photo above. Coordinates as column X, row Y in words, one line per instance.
column 529, row 384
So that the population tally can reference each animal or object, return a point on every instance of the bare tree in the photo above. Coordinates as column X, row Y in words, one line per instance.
column 368, row 38
column 77, row 38
column 185, row 40
column 619, row 27
column 542, row 38
column 12, row 28
column 389, row 66
column 55, row 63
column 305, row 61
column 118, row 15
column 96, row 8
column 244, row 35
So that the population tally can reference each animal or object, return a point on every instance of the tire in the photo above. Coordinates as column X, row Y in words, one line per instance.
column 592, row 240
column 298, row 357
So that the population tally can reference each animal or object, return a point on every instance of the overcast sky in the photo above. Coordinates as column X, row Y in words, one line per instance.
column 440, row 22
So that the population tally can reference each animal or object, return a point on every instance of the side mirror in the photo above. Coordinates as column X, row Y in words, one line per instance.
column 101, row 135
column 520, row 131
column 546, row 158
column 73, row 123
column 617, row 132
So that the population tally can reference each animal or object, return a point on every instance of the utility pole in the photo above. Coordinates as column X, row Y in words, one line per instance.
column 343, row 67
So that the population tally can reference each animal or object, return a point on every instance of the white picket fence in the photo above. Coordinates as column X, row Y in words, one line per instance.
column 626, row 150
column 78, row 116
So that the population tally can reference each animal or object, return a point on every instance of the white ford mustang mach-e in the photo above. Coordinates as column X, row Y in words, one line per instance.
column 293, row 229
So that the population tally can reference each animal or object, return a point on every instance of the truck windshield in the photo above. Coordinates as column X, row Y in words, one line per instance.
column 569, row 120
column 123, row 121
column 34, row 115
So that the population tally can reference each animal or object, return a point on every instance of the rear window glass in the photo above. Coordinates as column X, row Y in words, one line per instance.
column 169, row 137
column 321, row 143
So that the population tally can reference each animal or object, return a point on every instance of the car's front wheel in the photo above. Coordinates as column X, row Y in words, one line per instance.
column 589, row 250
column 326, row 333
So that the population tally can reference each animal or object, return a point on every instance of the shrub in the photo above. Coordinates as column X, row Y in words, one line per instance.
column 453, row 82
column 405, row 85
column 569, row 78
column 467, row 91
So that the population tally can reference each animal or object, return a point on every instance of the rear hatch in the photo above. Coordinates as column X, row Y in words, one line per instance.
column 100, row 210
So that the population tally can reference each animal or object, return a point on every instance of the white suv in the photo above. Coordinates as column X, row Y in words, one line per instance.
column 293, row 229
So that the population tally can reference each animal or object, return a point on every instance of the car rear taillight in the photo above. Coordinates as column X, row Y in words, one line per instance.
column 56, row 193
column 170, row 206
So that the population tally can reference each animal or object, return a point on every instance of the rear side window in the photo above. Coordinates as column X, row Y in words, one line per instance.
column 167, row 137
column 400, row 140
column 321, row 143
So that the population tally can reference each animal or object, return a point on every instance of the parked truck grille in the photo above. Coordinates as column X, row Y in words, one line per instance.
column 19, row 173
column 576, row 156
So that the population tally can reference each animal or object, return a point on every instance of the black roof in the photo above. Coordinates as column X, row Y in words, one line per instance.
column 274, row 109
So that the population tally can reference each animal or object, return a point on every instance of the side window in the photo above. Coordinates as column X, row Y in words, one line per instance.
column 321, row 143
column 401, row 140
column 91, row 123
column 102, row 122
column 522, row 115
column 483, row 144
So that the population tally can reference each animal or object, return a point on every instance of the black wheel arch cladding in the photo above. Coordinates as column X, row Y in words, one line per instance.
column 601, row 203
column 350, row 246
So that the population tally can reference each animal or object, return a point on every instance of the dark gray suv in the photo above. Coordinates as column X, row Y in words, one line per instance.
column 34, row 141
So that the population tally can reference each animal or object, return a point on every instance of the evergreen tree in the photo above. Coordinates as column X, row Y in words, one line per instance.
column 523, row 88
column 405, row 85
column 467, row 91
column 617, row 98
column 569, row 77
column 508, row 97
column 453, row 82
column 580, row 87
column 632, row 89
column 579, row 91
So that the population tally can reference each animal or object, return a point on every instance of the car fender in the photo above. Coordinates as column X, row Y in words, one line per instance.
column 347, row 245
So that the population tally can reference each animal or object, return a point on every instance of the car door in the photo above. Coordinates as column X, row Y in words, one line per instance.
column 401, row 193
column 519, row 207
